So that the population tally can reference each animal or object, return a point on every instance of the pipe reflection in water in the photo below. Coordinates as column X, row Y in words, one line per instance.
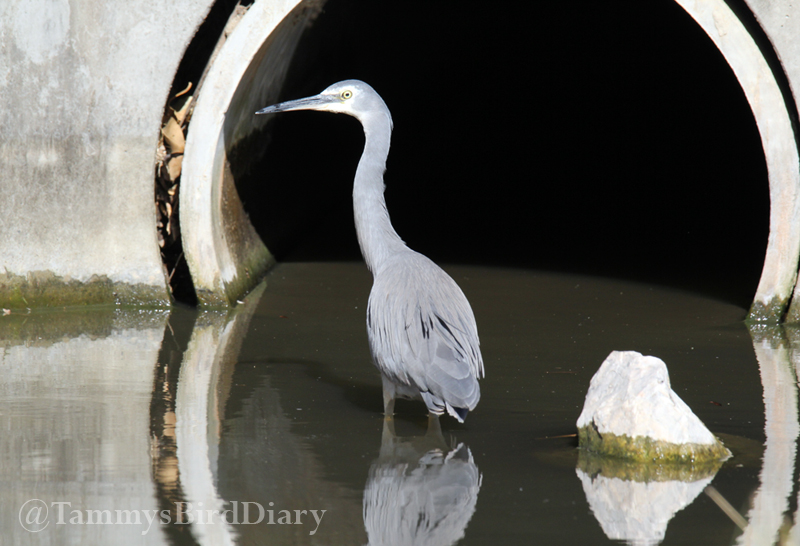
column 74, row 391
column 776, row 349
column 419, row 491
column 187, row 473
column 247, row 460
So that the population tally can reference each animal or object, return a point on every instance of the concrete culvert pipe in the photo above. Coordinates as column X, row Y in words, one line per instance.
column 225, row 255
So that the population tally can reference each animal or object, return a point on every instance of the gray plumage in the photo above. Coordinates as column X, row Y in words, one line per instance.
column 421, row 328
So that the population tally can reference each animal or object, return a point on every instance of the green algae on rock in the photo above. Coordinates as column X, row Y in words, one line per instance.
column 643, row 449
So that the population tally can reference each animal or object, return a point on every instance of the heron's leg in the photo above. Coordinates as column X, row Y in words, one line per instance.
column 388, row 405
column 388, row 397
column 388, row 435
column 434, row 427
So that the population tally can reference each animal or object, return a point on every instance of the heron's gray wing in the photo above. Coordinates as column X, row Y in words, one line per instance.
column 443, row 342
column 423, row 332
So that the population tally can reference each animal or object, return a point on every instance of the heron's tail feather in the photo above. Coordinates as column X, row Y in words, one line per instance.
column 437, row 406
column 458, row 413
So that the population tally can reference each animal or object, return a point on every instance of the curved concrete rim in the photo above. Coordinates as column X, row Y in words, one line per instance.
column 226, row 257
column 779, row 274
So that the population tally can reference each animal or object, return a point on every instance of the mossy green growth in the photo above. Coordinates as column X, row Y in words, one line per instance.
column 45, row 289
column 250, row 274
column 609, row 467
column 771, row 312
column 642, row 449
column 792, row 314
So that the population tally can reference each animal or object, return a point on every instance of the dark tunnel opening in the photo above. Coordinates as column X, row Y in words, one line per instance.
column 604, row 138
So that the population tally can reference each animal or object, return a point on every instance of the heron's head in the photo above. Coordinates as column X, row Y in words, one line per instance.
column 352, row 97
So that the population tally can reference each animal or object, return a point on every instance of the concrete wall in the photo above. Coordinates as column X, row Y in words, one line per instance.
column 82, row 91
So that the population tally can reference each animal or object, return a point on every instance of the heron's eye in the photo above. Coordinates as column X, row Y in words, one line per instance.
column 346, row 94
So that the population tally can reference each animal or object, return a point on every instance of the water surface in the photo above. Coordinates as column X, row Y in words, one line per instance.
column 273, row 412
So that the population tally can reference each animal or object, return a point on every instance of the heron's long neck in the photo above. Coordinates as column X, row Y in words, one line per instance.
column 376, row 236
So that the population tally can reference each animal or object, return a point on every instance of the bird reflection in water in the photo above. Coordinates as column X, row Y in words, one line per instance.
column 419, row 491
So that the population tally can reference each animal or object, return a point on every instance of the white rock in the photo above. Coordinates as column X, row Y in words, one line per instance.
column 630, row 395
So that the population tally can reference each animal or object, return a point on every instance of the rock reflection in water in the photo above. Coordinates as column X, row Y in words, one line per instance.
column 420, row 491
column 634, row 502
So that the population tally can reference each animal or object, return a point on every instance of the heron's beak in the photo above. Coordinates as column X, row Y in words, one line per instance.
column 317, row 102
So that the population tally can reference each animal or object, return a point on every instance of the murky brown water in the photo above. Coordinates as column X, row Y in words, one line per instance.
column 275, row 409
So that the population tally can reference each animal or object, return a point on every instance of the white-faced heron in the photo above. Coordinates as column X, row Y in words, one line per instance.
column 421, row 328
